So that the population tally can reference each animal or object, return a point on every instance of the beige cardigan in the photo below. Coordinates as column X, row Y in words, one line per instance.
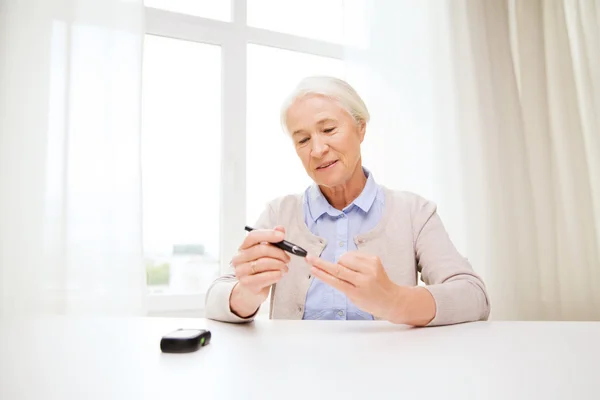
column 409, row 238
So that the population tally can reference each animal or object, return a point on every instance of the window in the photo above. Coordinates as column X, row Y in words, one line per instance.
column 215, row 75
column 314, row 19
column 181, row 140
column 213, row 9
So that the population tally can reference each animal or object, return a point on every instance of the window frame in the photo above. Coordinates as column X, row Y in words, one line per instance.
column 233, row 37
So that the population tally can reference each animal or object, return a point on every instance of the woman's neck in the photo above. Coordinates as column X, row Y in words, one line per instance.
column 343, row 195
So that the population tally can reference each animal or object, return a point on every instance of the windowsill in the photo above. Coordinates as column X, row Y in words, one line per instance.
column 186, row 306
column 166, row 302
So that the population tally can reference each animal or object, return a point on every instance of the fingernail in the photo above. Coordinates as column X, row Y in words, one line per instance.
column 279, row 234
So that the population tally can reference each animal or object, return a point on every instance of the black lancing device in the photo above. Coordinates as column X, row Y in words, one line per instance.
column 286, row 246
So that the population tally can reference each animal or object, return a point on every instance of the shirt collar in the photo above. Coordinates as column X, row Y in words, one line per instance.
column 318, row 204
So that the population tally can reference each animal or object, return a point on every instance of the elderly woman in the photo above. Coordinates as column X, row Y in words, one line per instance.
column 365, row 242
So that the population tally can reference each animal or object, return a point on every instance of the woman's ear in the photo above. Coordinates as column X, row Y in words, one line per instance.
column 362, row 128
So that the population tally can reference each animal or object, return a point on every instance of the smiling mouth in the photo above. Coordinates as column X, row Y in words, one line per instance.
column 328, row 165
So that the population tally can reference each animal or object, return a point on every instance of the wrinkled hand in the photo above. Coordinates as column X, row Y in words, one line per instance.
column 362, row 278
column 258, row 265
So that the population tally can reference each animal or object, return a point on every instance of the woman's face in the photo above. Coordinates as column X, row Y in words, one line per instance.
column 327, row 139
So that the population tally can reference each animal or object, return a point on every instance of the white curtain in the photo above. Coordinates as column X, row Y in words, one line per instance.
column 70, row 187
column 491, row 109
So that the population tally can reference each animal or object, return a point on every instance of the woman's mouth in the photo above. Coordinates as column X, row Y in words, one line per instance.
column 327, row 165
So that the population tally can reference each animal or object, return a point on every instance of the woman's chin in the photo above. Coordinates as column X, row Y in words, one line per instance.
column 329, row 180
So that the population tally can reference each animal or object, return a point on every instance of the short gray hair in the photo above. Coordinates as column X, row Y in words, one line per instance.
column 333, row 88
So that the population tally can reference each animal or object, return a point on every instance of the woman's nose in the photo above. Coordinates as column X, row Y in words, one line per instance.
column 319, row 147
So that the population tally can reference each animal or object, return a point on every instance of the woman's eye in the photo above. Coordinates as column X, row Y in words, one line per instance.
column 303, row 141
column 328, row 130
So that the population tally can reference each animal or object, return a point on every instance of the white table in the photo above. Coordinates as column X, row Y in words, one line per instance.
column 66, row 358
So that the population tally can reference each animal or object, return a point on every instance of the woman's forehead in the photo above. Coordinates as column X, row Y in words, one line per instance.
column 314, row 109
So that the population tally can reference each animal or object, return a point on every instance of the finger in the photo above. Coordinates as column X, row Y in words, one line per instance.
column 261, row 265
column 260, row 281
column 336, row 270
column 356, row 261
column 332, row 281
column 259, row 251
column 262, row 235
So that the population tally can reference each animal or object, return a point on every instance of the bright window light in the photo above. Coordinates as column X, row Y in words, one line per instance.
column 181, row 160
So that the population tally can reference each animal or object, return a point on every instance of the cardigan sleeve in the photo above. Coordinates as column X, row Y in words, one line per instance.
column 219, row 292
column 460, row 294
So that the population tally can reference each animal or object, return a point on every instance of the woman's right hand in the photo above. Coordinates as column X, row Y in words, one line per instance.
column 258, row 265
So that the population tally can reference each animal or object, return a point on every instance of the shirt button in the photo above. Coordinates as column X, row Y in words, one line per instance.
column 341, row 244
column 300, row 308
column 340, row 313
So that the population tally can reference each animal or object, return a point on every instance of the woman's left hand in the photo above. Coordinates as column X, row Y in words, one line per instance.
column 363, row 279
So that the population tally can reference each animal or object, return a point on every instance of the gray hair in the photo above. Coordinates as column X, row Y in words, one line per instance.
column 333, row 88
